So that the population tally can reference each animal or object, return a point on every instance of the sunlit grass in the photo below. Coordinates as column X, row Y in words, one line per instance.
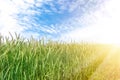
column 110, row 67
column 37, row 60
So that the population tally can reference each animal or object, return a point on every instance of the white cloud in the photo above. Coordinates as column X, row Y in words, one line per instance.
column 104, row 27
column 8, row 11
column 10, row 23
column 7, row 23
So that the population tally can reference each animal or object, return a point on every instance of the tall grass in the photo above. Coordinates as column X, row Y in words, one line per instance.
column 37, row 60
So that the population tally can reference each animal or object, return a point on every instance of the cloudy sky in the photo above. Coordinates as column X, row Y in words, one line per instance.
column 78, row 20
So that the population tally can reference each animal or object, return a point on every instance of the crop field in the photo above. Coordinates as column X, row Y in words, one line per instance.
column 39, row 60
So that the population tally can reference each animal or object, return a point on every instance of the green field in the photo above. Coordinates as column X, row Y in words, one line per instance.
column 38, row 60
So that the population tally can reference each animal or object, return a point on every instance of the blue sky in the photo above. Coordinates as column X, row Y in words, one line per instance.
column 78, row 20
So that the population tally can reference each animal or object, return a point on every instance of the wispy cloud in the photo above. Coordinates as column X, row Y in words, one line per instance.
column 7, row 22
column 8, row 11
column 103, row 26
column 49, row 18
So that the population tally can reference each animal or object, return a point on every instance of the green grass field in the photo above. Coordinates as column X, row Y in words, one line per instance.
column 36, row 60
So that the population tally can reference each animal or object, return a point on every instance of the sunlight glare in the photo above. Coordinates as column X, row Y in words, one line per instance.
column 104, row 29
